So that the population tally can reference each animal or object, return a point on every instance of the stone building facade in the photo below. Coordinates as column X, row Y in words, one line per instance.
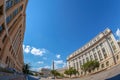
column 12, row 28
column 103, row 48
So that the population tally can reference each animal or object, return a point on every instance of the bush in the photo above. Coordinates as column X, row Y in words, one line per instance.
column 90, row 65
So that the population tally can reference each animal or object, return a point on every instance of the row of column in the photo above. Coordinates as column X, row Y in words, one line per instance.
column 94, row 53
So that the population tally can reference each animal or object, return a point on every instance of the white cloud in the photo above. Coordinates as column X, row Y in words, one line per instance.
column 59, row 64
column 118, row 33
column 58, row 56
column 58, row 61
column 36, row 51
column 26, row 48
column 23, row 47
column 33, row 50
column 40, row 62
column 36, row 69
column 48, row 67
column 39, row 68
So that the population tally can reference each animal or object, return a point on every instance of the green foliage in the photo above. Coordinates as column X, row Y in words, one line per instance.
column 90, row 65
column 71, row 71
column 75, row 72
column 62, row 75
column 35, row 74
column 55, row 73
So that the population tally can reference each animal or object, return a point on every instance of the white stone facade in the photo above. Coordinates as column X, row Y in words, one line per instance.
column 104, row 48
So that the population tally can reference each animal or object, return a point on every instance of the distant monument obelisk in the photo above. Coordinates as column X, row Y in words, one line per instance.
column 53, row 65
column 53, row 68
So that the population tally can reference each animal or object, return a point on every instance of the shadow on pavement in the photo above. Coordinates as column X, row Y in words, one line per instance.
column 117, row 77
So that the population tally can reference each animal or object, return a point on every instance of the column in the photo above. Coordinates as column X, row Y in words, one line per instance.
column 101, row 52
column 97, row 54
column 107, row 48
column 88, row 54
column 92, row 54
column 78, row 63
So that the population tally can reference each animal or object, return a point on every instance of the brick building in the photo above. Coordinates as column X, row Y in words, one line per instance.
column 12, row 28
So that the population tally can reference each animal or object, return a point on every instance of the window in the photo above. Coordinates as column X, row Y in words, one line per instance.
column 77, row 65
column 101, row 44
column 80, row 63
column 87, row 59
column 91, row 57
column 9, row 4
column 93, row 49
column 117, row 57
column 15, row 12
column 74, row 65
column 97, row 47
column 10, row 48
column 21, row 7
column 107, row 63
column 8, row 19
column 83, row 61
column 95, row 55
column 109, row 38
column 3, row 40
column 113, row 46
column 81, row 73
column 6, row 60
column 1, row 29
column 102, row 65
column 94, row 40
column 17, row 1
column 1, row 10
column 104, row 52
column 100, row 56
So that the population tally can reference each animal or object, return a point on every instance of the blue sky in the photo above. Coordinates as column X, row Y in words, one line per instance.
column 56, row 28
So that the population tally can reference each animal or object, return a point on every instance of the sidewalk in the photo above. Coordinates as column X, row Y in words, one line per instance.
column 9, row 76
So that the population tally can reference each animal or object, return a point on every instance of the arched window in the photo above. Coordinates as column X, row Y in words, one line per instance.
column 117, row 57
column 102, row 65
column 6, row 60
column 107, row 63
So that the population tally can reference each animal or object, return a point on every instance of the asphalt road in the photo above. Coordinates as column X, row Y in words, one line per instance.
column 32, row 78
column 60, row 79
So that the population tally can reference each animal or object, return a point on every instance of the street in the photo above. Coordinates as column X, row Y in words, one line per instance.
column 60, row 79
column 29, row 77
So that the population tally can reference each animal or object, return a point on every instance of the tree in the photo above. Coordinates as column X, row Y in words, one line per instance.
column 71, row 71
column 55, row 73
column 90, row 65
column 75, row 72
column 26, row 68
column 67, row 72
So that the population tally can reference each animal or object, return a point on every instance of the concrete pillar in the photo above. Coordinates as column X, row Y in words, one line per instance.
column 93, row 55
column 101, row 52
column 97, row 54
